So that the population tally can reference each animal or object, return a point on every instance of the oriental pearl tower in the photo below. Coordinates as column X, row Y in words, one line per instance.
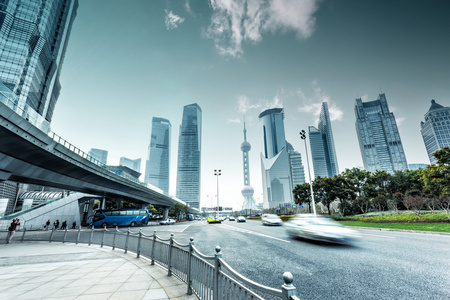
column 247, row 190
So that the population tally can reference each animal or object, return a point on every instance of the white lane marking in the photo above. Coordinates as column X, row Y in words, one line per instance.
column 252, row 232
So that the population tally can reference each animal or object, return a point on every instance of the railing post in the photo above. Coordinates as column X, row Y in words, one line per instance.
column 288, row 290
column 169, row 265
column 217, row 256
column 65, row 233
column 103, row 236
column 139, row 244
column 78, row 235
column 23, row 235
column 126, row 240
column 51, row 234
column 92, row 234
column 114, row 238
column 189, row 281
column 153, row 248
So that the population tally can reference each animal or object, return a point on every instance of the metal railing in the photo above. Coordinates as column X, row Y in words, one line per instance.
column 208, row 277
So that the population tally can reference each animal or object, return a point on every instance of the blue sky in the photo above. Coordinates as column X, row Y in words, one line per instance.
column 130, row 60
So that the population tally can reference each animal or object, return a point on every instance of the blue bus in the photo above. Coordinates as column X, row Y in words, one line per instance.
column 120, row 217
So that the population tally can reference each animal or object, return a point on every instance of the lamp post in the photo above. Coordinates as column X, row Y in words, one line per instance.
column 217, row 173
column 303, row 137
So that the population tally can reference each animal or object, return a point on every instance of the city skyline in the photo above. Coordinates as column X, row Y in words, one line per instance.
column 163, row 55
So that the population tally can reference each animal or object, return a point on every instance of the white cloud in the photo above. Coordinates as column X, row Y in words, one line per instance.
column 313, row 105
column 245, row 104
column 400, row 121
column 172, row 20
column 187, row 7
column 236, row 21
column 234, row 121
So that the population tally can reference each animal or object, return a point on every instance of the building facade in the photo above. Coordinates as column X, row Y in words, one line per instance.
column 157, row 166
column 189, row 156
column 33, row 41
column 378, row 136
column 297, row 168
column 321, row 142
column 275, row 163
column 133, row 164
column 435, row 129
column 99, row 154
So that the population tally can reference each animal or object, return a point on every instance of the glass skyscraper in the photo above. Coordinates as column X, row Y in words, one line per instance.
column 275, row 160
column 322, row 146
column 436, row 129
column 189, row 156
column 379, row 139
column 158, row 160
column 33, row 41
column 133, row 164
column 297, row 169
column 99, row 154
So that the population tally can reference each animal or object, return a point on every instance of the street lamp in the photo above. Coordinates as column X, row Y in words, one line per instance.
column 217, row 173
column 303, row 137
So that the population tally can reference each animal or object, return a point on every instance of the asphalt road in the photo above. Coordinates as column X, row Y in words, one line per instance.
column 379, row 265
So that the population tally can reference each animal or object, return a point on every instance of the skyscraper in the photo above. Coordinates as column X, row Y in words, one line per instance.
column 322, row 146
column 99, row 154
column 133, row 164
column 158, row 160
column 436, row 129
column 275, row 164
column 33, row 41
column 297, row 169
column 247, row 191
column 379, row 139
column 189, row 156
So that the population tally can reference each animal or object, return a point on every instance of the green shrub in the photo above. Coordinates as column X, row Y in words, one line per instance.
column 402, row 218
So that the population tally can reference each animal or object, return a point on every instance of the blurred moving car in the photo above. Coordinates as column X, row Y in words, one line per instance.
column 271, row 219
column 320, row 229
column 167, row 222
column 231, row 218
column 240, row 219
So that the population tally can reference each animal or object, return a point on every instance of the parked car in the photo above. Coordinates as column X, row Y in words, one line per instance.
column 240, row 219
column 231, row 218
column 271, row 219
column 319, row 228
column 167, row 222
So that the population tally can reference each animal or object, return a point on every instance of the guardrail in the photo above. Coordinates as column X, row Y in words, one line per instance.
column 208, row 277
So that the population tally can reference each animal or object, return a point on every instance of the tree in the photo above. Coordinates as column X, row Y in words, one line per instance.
column 152, row 210
column 358, row 178
column 302, row 194
column 363, row 203
column 324, row 191
column 346, row 191
column 415, row 203
column 178, row 209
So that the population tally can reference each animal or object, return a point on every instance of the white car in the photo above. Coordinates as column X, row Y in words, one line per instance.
column 167, row 222
column 320, row 229
column 271, row 219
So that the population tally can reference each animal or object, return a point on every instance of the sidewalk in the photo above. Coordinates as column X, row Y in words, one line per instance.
column 43, row 270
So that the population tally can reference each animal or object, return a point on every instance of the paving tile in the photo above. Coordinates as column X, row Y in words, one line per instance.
column 103, row 296
column 155, row 294
column 131, row 286
column 126, row 295
column 102, row 288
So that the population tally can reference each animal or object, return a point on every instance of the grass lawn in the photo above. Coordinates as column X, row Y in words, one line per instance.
column 436, row 227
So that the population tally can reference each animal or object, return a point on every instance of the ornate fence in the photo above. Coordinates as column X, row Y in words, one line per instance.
column 208, row 277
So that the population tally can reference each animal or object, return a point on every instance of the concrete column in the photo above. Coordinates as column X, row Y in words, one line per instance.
column 165, row 213
column 91, row 208
column 144, row 205
column 103, row 203
column 119, row 204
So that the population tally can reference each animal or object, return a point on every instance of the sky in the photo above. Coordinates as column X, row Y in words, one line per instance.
column 128, row 61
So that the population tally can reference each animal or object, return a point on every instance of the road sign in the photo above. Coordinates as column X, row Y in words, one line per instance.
column 287, row 205
column 294, row 206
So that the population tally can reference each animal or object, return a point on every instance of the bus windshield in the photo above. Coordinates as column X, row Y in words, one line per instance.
column 120, row 217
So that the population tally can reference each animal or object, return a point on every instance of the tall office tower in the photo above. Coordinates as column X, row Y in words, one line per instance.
column 436, row 129
column 275, row 164
column 33, row 41
column 157, row 165
column 247, row 191
column 379, row 140
column 99, row 154
column 297, row 169
column 322, row 146
column 133, row 164
column 189, row 156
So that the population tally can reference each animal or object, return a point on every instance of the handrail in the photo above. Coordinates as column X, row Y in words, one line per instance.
column 201, row 254
column 251, row 283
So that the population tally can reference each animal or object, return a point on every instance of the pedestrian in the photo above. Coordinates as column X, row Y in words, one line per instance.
column 74, row 224
column 64, row 225
column 56, row 224
column 47, row 225
column 12, row 229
